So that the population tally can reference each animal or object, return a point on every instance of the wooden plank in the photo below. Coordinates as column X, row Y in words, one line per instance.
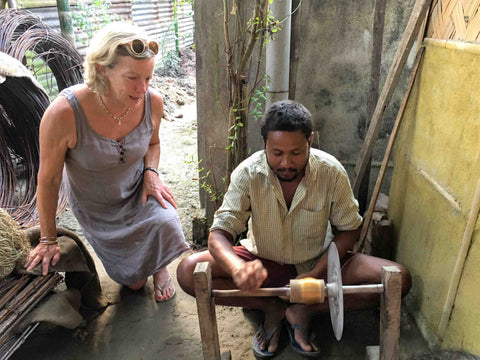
column 376, row 62
column 388, row 152
column 416, row 19
column 390, row 307
column 202, row 278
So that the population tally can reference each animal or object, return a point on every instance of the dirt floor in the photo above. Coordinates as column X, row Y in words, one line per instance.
column 135, row 327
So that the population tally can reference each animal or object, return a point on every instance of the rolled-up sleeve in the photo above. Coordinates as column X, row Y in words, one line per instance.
column 344, row 214
column 233, row 215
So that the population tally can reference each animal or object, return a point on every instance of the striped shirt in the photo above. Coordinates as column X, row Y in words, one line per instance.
column 294, row 235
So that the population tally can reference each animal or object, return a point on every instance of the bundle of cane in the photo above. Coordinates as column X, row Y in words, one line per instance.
column 14, row 244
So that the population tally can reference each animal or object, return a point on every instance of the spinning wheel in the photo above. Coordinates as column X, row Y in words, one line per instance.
column 308, row 291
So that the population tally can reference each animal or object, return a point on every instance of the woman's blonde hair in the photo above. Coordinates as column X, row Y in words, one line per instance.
column 105, row 48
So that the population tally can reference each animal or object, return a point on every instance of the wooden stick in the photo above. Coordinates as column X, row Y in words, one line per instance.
column 416, row 19
column 19, row 298
column 460, row 264
column 15, row 344
column 7, row 283
column 13, row 291
column 26, row 301
column 202, row 278
column 391, row 142
column 388, row 152
column 30, row 294
column 390, row 313
column 23, row 295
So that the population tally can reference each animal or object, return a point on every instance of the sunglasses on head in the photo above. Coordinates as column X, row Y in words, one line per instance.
column 138, row 46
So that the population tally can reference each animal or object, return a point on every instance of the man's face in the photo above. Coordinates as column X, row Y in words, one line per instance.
column 287, row 153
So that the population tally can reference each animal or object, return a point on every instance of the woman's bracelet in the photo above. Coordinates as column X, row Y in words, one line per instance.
column 150, row 169
column 48, row 240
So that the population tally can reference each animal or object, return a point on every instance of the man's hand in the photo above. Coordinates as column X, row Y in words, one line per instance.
column 45, row 254
column 153, row 186
column 250, row 276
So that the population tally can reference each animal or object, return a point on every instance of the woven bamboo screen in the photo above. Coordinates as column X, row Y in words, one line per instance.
column 455, row 20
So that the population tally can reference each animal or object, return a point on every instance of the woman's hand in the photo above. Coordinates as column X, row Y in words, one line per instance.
column 152, row 185
column 46, row 254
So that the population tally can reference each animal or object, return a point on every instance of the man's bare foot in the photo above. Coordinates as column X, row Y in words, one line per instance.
column 300, row 319
column 273, row 318
column 164, row 287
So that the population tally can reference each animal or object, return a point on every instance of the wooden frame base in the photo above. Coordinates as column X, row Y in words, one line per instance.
column 390, row 305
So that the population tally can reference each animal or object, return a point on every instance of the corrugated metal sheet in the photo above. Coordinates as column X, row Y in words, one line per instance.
column 186, row 26
column 122, row 8
column 49, row 15
column 156, row 17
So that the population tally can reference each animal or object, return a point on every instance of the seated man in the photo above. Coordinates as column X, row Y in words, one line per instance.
column 288, row 192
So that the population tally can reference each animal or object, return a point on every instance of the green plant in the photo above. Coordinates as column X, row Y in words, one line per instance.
column 248, row 34
column 258, row 99
column 207, row 181
column 90, row 18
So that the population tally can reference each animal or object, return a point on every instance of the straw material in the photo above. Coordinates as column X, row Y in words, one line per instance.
column 455, row 20
column 14, row 244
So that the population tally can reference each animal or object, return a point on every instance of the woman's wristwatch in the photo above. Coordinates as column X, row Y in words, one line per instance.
column 150, row 169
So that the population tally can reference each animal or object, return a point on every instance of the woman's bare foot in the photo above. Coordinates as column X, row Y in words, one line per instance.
column 164, row 287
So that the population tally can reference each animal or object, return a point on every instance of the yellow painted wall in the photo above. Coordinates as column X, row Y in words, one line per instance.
column 437, row 168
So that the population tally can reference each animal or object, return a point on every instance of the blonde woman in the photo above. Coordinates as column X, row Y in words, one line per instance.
column 106, row 133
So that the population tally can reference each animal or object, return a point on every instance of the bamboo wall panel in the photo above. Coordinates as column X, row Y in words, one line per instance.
column 455, row 20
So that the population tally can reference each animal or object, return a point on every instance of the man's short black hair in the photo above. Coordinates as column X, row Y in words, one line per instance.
column 287, row 115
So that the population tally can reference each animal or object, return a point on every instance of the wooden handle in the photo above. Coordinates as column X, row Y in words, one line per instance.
column 307, row 291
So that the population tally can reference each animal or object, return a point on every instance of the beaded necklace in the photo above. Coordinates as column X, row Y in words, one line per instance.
column 118, row 118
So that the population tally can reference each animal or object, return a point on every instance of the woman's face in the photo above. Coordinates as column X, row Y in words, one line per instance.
column 128, row 79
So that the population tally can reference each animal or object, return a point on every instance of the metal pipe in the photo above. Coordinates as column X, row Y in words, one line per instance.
column 286, row 291
column 362, row 289
column 277, row 53
column 262, row 292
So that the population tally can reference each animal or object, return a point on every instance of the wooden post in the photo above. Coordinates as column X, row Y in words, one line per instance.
column 409, row 36
column 377, row 41
column 202, row 278
column 390, row 313
column 65, row 18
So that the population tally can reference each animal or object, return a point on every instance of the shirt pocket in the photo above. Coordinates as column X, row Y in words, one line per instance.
column 309, row 231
